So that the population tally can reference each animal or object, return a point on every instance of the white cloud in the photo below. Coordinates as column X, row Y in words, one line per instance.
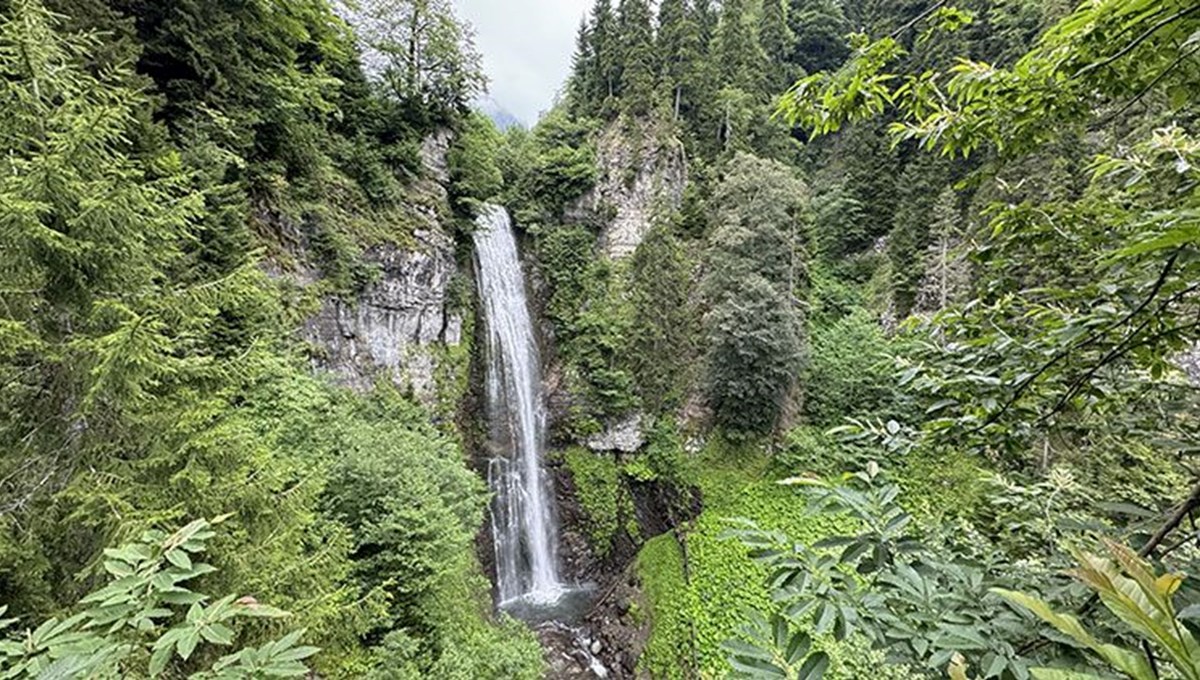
column 527, row 47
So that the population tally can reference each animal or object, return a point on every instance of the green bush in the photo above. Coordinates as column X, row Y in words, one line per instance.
column 475, row 175
column 850, row 371
column 603, row 495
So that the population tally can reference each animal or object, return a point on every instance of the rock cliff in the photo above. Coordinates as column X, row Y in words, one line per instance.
column 399, row 325
column 642, row 174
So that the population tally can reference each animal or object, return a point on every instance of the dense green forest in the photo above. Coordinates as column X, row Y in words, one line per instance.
column 900, row 297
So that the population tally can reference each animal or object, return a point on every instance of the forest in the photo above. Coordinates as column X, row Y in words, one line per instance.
column 860, row 339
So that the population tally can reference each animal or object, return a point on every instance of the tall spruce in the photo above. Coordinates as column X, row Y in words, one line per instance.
column 777, row 41
column 584, row 72
column 637, row 56
column 662, row 334
column 606, row 56
column 678, row 48
column 753, row 326
column 819, row 28
column 736, row 47
column 701, row 110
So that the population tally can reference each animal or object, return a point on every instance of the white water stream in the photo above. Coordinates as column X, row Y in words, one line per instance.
column 523, row 519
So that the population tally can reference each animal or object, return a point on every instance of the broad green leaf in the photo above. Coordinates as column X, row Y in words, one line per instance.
column 814, row 667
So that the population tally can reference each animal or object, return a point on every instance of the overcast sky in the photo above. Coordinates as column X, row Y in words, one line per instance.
column 527, row 47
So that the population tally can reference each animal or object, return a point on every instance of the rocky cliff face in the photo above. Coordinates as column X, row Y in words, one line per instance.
column 398, row 323
column 399, row 326
column 642, row 174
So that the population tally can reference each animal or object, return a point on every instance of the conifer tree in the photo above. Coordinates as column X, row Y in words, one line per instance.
column 606, row 69
column 736, row 46
column 753, row 328
column 583, row 71
column 706, row 17
column 917, row 194
column 678, row 47
column 819, row 28
column 946, row 267
column 663, row 327
column 778, row 43
column 701, row 110
column 119, row 402
column 637, row 56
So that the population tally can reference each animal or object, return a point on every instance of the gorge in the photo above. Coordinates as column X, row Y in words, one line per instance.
column 798, row 339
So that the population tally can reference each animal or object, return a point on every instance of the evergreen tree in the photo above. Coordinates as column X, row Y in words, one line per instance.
column 778, row 42
column 753, row 329
column 637, row 56
column 838, row 224
column 117, row 396
column 679, row 48
column 663, row 327
column 947, row 270
column 736, row 47
column 701, row 110
column 819, row 28
column 606, row 54
column 871, row 167
column 917, row 194
column 584, row 72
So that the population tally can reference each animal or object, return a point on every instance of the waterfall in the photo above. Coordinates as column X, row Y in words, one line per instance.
column 523, row 522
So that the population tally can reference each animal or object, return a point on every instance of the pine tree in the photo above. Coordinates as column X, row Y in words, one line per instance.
column 678, row 47
column 584, row 73
column 819, row 28
column 947, row 269
column 637, row 55
column 663, row 326
column 120, row 405
column 917, row 192
column 753, row 329
column 701, row 109
column 606, row 69
column 778, row 42
column 736, row 47
column 871, row 169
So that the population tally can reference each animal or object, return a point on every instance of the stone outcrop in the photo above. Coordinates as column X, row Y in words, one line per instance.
column 642, row 174
column 625, row 436
column 396, row 325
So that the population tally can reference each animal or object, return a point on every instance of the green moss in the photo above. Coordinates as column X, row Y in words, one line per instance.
column 452, row 372
column 690, row 618
column 660, row 568
column 604, row 497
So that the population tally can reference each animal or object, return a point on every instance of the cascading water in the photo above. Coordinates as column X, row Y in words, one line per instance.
column 523, row 519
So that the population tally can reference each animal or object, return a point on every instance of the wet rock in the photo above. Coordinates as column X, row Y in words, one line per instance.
column 569, row 654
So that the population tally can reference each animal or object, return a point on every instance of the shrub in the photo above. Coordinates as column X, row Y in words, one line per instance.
column 850, row 372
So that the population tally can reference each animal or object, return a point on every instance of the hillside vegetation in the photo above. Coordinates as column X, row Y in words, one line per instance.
column 899, row 296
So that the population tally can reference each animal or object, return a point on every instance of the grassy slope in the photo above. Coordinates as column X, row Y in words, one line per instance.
column 725, row 585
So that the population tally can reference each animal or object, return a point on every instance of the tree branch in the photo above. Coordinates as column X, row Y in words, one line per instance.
column 1137, row 41
column 1025, row 384
column 922, row 17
